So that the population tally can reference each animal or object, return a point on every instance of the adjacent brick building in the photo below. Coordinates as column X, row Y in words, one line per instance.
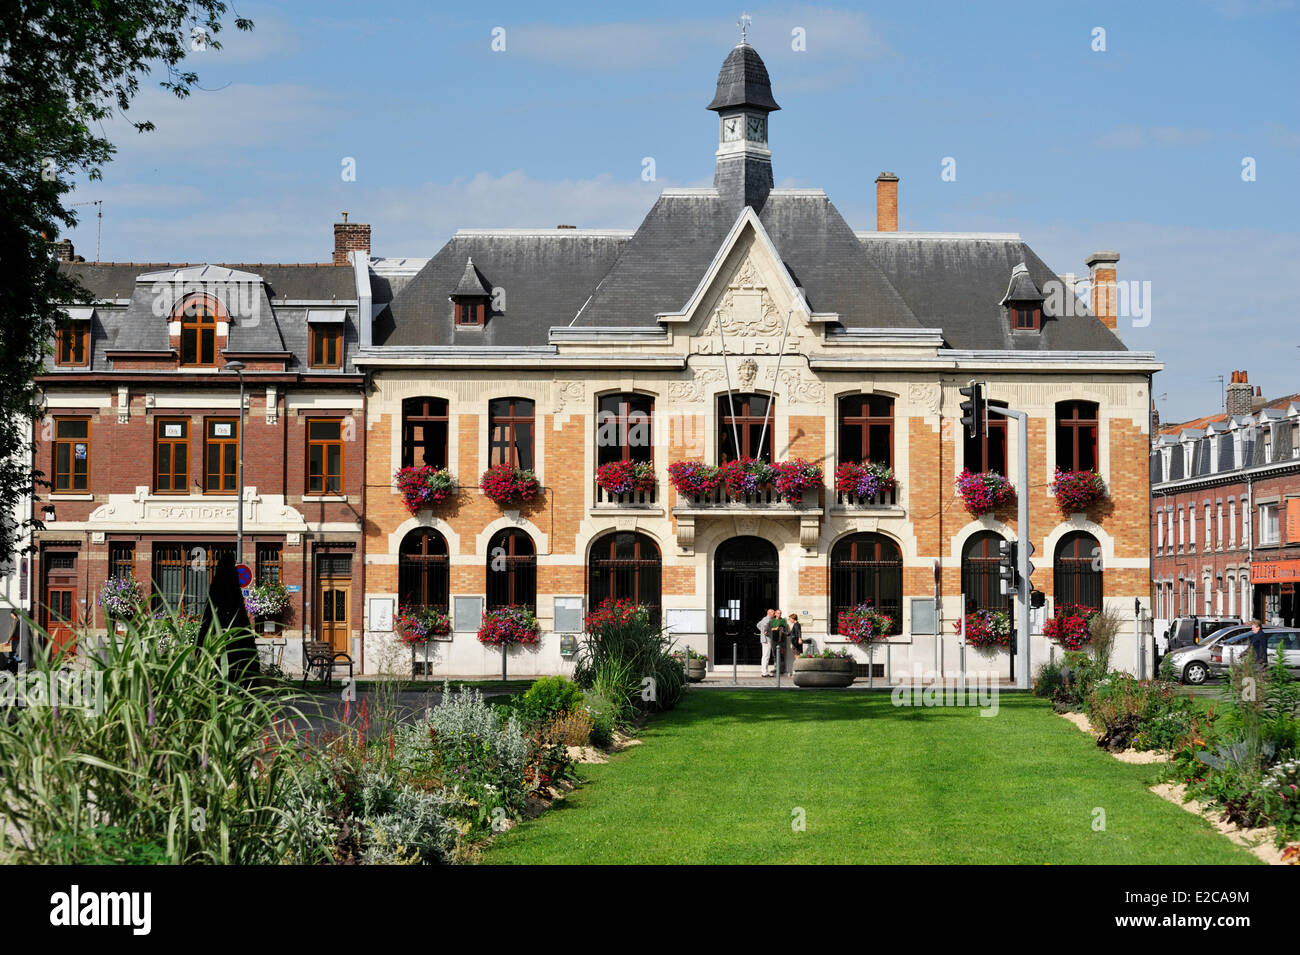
column 1225, row 489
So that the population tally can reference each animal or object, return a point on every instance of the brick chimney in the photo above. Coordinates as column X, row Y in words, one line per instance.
column 1238, row 395
column 886, row 202
column 1101, row 276
column 62, row 249
column 350, row 237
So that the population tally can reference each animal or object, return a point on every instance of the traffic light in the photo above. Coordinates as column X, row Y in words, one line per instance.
column 1037, row 599
column 1007, row 567
column 972, row 411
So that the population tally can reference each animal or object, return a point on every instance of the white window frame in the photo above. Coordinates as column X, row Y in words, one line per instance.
column 1268, row 521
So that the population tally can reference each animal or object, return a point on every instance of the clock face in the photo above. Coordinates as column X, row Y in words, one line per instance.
column 756, row 129
column 731, row 129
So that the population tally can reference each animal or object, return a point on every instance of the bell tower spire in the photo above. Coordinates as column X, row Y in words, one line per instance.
column 743, row 102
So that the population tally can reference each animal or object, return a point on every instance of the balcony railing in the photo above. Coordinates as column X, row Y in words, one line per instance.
column 628, row 499
column 887, row 498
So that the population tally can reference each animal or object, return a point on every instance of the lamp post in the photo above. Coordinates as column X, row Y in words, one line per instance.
column 238, row 368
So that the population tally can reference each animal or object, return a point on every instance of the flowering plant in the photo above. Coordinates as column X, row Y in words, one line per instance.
column 791, row 478
column 864, row 624
column 424, row 486
column 690, row 654
column 416, row 626
column 267, row 600
column 864, row 480
column 509, row 625
column 623, row 477
column 987, row 629
column 745, row 475
column 505, row 484
column 828, row 654
column 984, row 491
column 613, row 613
column 692, row 478
column 1077, row 490
column 1069, row 626
column 120, row 597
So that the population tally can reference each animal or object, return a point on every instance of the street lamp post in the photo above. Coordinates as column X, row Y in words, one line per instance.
column 238, row 368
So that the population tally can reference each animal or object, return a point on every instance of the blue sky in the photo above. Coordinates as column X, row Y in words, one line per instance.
column 1137, row 148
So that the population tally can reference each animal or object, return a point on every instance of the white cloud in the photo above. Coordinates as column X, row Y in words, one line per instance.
column 1131, row 136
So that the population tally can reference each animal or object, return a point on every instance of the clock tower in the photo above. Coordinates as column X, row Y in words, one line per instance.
column 743, row 101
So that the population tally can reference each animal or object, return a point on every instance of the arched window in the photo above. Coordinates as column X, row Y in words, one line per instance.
column 741, row 419
column 424, row 432
column 424, row 570
column 867, row 568
column 626, row 566
column 1076, row 435
column 867, row 430
column 624, row 425
column 198, row 316
column 511, row 570
column 979, row 573
column 1077, row 570
column 510, row 432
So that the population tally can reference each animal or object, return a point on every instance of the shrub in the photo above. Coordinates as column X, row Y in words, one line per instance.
column 574, row 727
column 1141, row 713
column 604, row 717
column 1048, row 680
column 628, row 659
column 1071, row 681
column 1279, row 798
column 549, row 697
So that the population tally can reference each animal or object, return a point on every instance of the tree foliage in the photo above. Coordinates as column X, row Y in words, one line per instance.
column 66, row 66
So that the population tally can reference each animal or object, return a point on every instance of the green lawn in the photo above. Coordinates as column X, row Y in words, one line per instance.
column 718, row 779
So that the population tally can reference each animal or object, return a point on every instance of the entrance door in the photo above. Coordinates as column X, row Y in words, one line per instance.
column 61, row 618
column 745, row 573
column 332, row 602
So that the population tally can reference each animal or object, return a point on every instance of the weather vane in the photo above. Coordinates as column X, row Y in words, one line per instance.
column 743, row 23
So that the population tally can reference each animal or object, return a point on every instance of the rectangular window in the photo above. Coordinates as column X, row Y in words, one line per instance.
column 269, row 570
column 72, row 344
column 1026, row 319
column 182, row 574
column 510, row 432
column 221, row 451
column 71, row 454
column 424, row 432
column 1076, row 435
column 867, row 430
column 1268, row 529
column 171, row 452
column 326, row 344
column 198, row 333
column 989, row 452
column 1232, row 524
column 623, row 429
column 469, row 313
column 1191, row 528
column 121, row 560
column 324, row 456
column 1208, row 528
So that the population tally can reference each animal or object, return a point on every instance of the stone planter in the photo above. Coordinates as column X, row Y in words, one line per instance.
column 823, row 671
column 696, row 669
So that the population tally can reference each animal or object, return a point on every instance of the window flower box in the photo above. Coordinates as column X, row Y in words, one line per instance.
column 417, row 626
column 1077, row 491
column 987, row 629
column 424, row 486
column 746, row 481
column 506, row 484
column 865, row 483
column 626, row 477
column 985, row 491
column 1069, row 626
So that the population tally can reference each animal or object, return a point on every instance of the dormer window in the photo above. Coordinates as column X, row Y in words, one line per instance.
column 470, row 298
column 198, row 321
column 1023, row 301
column 72, row 344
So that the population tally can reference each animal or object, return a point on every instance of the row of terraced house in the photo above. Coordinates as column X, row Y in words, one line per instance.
column 735, row 321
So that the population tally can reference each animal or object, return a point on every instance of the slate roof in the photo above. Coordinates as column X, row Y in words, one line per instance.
column 258, row 324
column 955, row 282
column 743, row 81
column 471, row 283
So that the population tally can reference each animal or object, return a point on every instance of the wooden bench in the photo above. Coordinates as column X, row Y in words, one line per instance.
column 319, row 655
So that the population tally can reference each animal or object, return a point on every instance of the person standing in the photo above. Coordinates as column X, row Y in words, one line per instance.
column 1259, row 644
column 796, row 637
column 765, row 638
column 780, row 630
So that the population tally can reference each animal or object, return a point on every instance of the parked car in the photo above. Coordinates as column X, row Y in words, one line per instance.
column 1284, row 640
column 1193, row 631
column 1192, row 664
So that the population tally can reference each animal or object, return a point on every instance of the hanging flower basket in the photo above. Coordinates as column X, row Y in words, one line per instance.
column 985, row 491
column 1069, row 626
column 424, row 486
column 987, row 629
column 865, row 625
column 120, row 598
column 507, row 626
column 625, row 477
column 864, row 480
column 693, row 478
column 267, row 601
column 416, row 626
column 506, row 484
column 791, row 478
column 1076, row 491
